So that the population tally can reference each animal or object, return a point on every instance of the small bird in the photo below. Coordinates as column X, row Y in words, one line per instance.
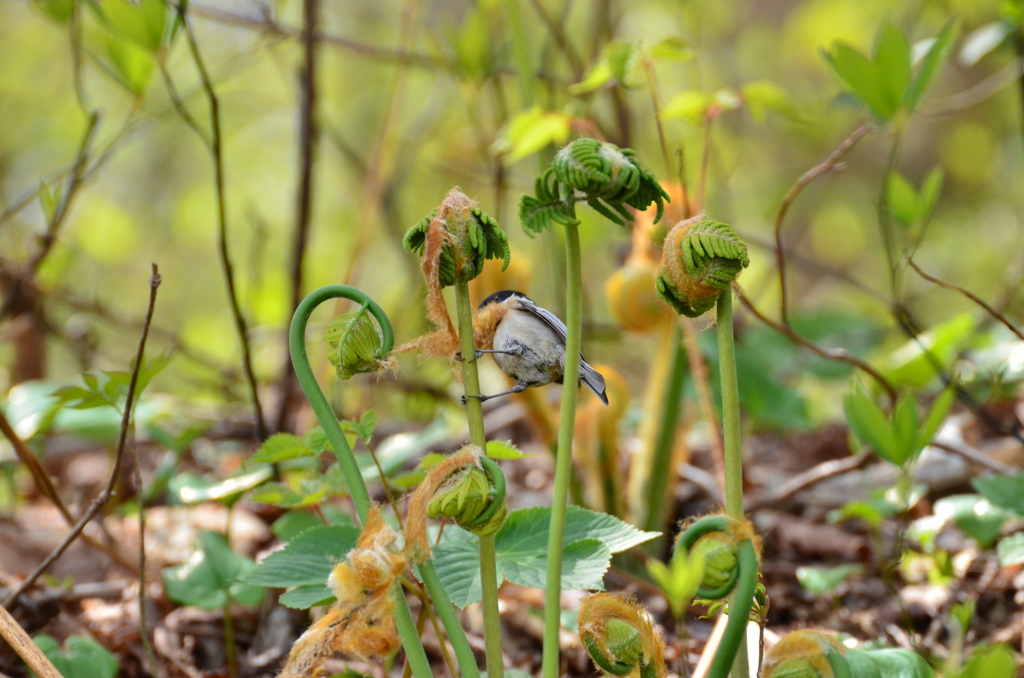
column 529, row 346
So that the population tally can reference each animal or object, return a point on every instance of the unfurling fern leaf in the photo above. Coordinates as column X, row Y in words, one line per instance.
column 470, row 238
column 609, row 177
column 699, row 261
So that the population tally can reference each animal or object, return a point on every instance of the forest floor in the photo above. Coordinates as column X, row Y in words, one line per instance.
column 795, row 483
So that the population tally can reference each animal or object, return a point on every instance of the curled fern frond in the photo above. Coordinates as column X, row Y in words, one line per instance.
column 619, row 637
column 609, row 178
column 473, row 238
column 467, row 487
column 355, row 344
column 734, row 574
column 699, row 261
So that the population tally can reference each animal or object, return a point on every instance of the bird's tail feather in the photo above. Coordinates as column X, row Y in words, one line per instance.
column 594, row 381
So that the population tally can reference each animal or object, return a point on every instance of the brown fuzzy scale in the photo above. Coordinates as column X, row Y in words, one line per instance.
column 361, row 623
column 688, row 286
column 445, row 344
column 417, row 546
column 810, row 647
column 598, row 608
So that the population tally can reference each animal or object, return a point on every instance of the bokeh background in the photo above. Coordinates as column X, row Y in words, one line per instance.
column 414, row 97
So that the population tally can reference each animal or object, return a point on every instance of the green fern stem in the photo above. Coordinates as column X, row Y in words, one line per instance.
column 563, row 461
column 732, row 440
column 732, row 650
column 478, row 437
column 662, row 458
column 414, row 651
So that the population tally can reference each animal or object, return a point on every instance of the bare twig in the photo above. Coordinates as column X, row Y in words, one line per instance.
column 705, row 163
column 557, row 31
column 309, row 134
column 976, row 94
column 976, row 457
column 268, row 25
column 108, row 492
column 25, row 647
column 812, row 476
column 808, row 176
column 217, row 153
column 970, row 295
column 839, row 354
column 699, row 370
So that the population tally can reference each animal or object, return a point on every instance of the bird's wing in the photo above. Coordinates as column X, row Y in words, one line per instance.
column 549, row 318
column 588, row 375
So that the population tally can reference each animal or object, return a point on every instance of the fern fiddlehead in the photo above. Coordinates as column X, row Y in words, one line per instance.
column 700, row 259
column 608, row 177
column 619, row 637
column 739, row 576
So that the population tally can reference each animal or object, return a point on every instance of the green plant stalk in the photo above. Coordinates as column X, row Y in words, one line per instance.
column 732, row 442
column 563, row 461
column 527, row 80
column 478, row 437
column 414, row 652
column 662, row 458
column 745, row 581
column 445, row 610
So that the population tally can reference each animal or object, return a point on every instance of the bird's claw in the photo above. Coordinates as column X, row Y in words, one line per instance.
column 465, row 398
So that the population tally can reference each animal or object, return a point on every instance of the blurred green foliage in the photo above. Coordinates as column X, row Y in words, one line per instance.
column 406, row 114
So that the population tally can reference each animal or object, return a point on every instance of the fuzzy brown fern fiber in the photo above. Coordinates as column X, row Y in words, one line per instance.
column 361, row 623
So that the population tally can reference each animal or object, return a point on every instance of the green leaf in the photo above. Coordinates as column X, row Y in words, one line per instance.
column 997, row 661
column 531, row 130
column 931, row 187
column 132, row 64
column 868, row 422
column 821, row 581
column 58, row 10
column 869, row 512
column 904, row 428
column 293, row 523
column 673, row 49
column 503, row 449
column 82, row 657
column 309, row 492
column 913, row 364
column 142, row 23
column 859, row 74
column 191, row 488
column 521, row 552
column 974, row 515
column 680, row 579
column 691, row 105
column 936, row 416
column 619, row 63
column 1011, row 550
column 281, row 447
column 1004, row 491
column 764, row 95
column 212, row 576
column 892, row 63
column 879, row 663
column 932, row 63
column 305, row 597
column 48, row 201
column 902, row 199
column 307, row 559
